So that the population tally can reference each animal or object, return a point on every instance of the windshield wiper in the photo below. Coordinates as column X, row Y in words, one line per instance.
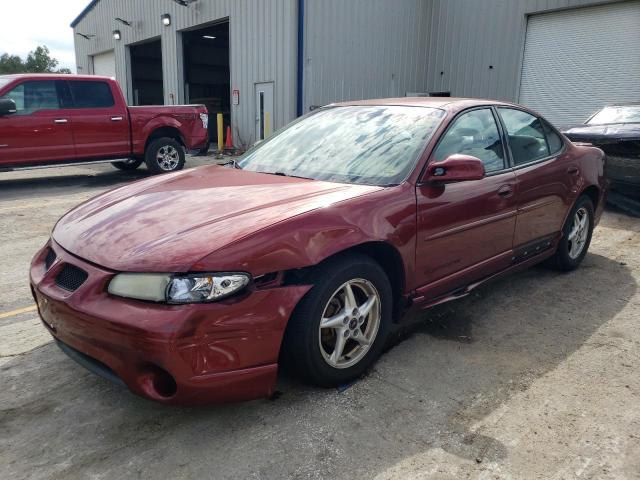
column 232, row 162
column 282, row 174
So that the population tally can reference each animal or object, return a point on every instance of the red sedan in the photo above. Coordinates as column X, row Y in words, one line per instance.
column 193, row 287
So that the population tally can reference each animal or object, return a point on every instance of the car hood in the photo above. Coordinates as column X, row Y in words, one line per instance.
column 607, row 133
column 168, row 223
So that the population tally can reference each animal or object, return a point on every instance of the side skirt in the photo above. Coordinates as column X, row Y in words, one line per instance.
column 524, row 257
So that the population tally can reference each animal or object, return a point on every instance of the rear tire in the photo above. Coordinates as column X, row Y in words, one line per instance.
column 576, row 236
column 127, row 165
column 334, row 336
column 164, row 155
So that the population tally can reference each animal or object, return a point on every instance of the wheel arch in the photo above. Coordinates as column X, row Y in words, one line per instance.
column 590, row 191
column 384, row 254
column 162, row 132
column 593, row 192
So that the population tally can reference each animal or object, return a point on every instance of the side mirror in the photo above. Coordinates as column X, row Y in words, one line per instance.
column 455, row 168
column 7, row 106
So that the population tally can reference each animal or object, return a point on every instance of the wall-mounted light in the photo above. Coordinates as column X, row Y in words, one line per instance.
column 117, row 35
column 209, row 37
column 166, row 19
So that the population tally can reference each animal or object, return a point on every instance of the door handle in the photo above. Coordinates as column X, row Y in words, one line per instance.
column 116, row 119
column 60, row 120
column 505, row 191
column 573, row 170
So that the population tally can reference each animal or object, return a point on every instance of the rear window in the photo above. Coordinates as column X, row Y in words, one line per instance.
column 91, row 94
column 553, row 139
column 526, row 136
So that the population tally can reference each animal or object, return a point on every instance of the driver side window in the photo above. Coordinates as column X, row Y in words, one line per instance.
column 33, row 96
column 474, row 133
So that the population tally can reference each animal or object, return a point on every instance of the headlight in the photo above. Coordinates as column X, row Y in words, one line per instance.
column 205, row 288
column 194, row 288
column 143, row 286
column 205, row 120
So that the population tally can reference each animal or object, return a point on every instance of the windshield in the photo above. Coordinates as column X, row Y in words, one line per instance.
column 372, row 145
column 623, row 114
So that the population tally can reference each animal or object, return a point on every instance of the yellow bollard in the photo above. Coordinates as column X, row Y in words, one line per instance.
column 267, row 124
column 220, row 132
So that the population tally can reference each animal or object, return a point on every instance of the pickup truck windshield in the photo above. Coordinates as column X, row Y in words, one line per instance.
column 372, row 145
column 622, row 114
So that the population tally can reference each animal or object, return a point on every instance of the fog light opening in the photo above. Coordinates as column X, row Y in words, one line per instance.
column 158, row 383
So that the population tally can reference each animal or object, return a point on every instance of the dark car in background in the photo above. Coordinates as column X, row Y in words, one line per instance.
column 616, row 130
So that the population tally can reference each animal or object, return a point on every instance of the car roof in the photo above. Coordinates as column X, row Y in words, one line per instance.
column 452, row 104
column 53, row 76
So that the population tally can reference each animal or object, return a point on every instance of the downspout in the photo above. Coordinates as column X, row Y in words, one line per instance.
column 300, row 72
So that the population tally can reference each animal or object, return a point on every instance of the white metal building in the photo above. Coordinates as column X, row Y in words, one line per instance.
column 264, row 62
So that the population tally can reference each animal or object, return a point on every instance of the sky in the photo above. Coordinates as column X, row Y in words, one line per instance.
column 29, row 23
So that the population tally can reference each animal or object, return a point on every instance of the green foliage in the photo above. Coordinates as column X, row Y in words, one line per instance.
column 37, row 61
column 11, row 64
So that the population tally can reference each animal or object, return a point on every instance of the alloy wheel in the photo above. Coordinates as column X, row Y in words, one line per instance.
column 350, row 323
column 168, row 158
column 579, row 233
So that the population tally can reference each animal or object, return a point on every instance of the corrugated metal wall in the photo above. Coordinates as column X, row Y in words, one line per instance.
column 468, row 36
column 360, row 49
column 262, row 37
column 354, row 49
column 574, row 62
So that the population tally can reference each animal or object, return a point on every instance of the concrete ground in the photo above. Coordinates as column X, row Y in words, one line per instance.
column 535, row 376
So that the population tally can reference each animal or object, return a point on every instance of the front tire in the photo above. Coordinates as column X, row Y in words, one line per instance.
column 164, row 155
column 340, row 327
column 127, row 165
column 576, row 236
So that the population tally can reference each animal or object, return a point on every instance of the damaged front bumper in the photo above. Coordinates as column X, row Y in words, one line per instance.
column 177, row 354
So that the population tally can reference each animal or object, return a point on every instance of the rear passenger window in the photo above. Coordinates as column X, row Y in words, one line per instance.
column 553, row 139
column 474, row 133
column 91, row 94
column 526, row 136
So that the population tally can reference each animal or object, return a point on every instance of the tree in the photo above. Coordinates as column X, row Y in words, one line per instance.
column 37, row 61
column 11, row 64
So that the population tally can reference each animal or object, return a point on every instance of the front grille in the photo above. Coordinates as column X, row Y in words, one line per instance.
column 50, row 258
column 70, row 278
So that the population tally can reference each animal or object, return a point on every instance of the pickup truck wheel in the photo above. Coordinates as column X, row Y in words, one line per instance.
column 164, row 155
column 341, row 325
column 127, row 165
column 576, row 236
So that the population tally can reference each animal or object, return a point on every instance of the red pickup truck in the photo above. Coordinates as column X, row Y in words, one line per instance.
column 50, row 119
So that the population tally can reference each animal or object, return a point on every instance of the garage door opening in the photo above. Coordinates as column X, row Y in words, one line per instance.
column 146, row 73
column 207, row 77
column 104, row 64
column 577, row 61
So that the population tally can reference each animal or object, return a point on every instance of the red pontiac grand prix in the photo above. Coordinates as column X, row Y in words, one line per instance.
column 194, row 286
